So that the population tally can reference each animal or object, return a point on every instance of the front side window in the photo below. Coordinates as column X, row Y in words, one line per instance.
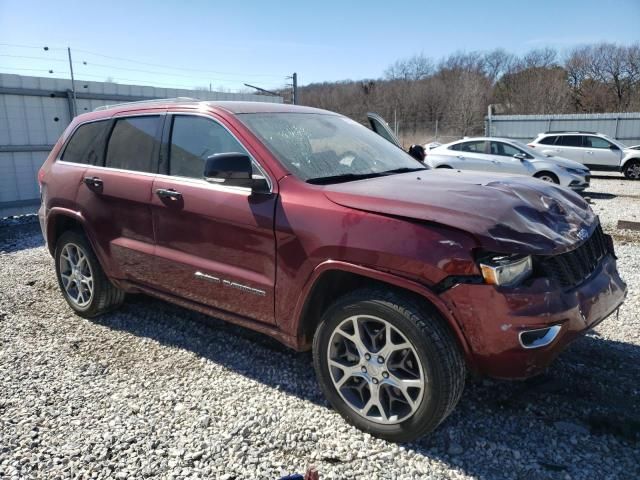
column 570, row 141
column 477, row 146
column 133, row 144
column 193, row 139
column 87, row 144
column 504, row 149
column 325, row 148
column 596, row 142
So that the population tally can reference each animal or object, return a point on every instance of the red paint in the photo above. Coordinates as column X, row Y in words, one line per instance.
column 409, row 231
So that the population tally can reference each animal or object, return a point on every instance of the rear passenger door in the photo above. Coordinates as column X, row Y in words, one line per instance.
column 215, row 243
column 115, row 197
column 568, row 146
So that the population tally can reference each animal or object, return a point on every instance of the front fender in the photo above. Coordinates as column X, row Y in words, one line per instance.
column 384, row 277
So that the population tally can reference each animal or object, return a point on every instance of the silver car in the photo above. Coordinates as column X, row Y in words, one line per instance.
column 508, row 156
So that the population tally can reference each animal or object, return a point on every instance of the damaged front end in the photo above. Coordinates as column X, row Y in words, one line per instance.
column 515, row 330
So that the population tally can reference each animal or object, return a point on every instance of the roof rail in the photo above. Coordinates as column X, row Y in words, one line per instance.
column 573, row 131
column 148, row 102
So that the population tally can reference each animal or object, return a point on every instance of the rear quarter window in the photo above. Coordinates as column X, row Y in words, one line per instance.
column 86, row 145
column 548, row 140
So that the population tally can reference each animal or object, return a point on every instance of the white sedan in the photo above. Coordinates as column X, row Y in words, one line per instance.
column 508, row 156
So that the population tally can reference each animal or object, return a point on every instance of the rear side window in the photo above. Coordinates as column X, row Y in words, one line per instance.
column 193, row 139
column 479, row 146
column 133, row 144
column 570, row 141
column 548, row 140
column 86, row 144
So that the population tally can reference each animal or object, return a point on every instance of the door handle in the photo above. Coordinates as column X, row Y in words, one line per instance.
column 589, row 152
column 168, row 193
column 495, row 161
column 95, row 182
column 460, row 157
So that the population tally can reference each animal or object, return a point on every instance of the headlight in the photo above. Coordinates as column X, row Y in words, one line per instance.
column 506, row 269
column 577, row 171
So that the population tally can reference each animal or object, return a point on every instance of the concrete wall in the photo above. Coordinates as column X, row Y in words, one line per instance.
column 621, row 126
column 34, row 111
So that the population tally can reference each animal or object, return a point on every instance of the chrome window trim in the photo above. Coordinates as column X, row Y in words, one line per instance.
column 200, row 181
column 209, row 117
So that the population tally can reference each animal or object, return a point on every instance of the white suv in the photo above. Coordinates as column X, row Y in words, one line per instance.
column 595, row 150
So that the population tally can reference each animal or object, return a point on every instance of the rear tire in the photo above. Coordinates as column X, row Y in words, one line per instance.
column 82, row 281
column 547, row 177
column 632, row 170
column 412, row 388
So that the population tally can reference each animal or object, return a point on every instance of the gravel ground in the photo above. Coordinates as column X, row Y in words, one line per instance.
column 154, row 390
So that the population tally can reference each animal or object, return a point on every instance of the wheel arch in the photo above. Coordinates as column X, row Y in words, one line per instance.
column 333, row 279
column 59, row 220
column 628, row 160
column 546, row 172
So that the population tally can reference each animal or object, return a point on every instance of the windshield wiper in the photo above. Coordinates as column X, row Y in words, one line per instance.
column 346, row 177
column 349, row 177
column 404, row 170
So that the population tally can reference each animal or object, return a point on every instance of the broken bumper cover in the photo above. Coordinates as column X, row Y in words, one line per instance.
column 494, row 319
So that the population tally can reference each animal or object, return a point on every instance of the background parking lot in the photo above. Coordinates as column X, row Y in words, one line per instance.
column 153, row 390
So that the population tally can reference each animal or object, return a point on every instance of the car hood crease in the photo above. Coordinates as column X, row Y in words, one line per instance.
column 506, row 214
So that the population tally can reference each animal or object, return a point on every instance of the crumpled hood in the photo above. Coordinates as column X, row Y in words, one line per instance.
column 506, row 214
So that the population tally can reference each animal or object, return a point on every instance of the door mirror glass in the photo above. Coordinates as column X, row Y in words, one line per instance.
column 520, row 156
column 232, row 169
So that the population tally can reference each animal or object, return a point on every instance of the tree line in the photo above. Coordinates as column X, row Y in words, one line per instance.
column 455, row 92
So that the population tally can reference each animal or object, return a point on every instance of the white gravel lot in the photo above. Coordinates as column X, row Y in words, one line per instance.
column 156, row 391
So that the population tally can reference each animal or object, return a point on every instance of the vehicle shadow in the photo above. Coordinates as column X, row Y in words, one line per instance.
column 588, row 401
column 20, row 237
column 599, row 195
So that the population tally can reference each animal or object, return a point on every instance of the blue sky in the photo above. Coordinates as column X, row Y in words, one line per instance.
column 227, row 43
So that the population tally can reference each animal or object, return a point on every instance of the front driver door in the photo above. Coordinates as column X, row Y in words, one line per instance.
column 471, row 155
column 381, row 127
column 502, row 156
column 215, row 244
column 598, row 152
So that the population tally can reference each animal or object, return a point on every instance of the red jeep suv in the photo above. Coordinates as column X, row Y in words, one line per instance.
column 307, row 226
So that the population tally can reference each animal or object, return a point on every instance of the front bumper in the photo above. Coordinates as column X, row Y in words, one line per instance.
column 492, row 318
column 580, row 184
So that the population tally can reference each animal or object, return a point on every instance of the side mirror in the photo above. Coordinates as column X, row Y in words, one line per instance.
column 520, row 156
column 232, row 169
column 614, row 147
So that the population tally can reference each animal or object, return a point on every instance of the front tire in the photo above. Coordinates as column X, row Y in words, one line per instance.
column 632, row 170
column 547, row 177
column 81, row 279
column 388, row 365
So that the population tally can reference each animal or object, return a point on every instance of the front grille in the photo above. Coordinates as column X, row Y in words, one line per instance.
column 572, row 268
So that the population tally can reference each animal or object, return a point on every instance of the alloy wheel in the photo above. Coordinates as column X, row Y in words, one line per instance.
column 76, row 275
column 633, row 171
column 375, row 369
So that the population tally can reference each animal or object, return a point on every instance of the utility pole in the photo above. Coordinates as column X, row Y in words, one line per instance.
column 295, row 88
column 73, row 84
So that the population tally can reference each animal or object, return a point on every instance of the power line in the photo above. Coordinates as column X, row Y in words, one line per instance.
column 46, row 59
column 170, row 67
